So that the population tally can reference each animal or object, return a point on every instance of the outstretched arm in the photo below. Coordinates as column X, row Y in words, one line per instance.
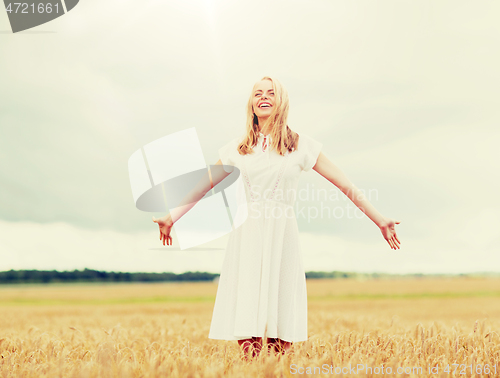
column 212, row 178
column 335, row 175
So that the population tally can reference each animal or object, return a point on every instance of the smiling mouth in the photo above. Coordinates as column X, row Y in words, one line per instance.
column 265, row 105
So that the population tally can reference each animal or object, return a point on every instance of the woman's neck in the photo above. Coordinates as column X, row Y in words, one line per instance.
column 265, row 132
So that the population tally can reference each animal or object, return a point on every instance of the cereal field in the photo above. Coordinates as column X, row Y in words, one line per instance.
column 400, row 327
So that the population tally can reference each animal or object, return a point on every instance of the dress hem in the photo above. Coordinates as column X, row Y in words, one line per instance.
column 234, row 338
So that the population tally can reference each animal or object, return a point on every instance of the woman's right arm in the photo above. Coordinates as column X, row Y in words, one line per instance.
column 215, row 176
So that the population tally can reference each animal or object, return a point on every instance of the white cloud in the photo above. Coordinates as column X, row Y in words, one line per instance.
column 60, row 246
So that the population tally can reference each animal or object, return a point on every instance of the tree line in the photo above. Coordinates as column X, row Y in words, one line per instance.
column 90, row 275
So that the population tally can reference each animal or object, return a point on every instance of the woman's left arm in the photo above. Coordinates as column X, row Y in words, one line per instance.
column 335, row 175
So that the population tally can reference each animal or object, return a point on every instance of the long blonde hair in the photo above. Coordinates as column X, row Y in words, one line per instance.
column 282, row 137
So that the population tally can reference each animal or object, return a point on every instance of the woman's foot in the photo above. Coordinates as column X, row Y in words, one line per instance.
column 251, row 347
column 279, row 346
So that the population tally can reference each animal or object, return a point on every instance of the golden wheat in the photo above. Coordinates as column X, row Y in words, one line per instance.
column 160, row 330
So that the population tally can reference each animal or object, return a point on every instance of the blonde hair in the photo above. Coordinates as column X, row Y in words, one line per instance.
column 282, row 137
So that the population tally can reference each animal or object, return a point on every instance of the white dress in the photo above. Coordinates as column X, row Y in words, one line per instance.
column 262, row 285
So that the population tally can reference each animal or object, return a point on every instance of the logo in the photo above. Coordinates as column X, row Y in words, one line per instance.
column 165, row 171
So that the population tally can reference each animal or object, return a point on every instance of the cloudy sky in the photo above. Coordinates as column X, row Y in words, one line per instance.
column 403, row 95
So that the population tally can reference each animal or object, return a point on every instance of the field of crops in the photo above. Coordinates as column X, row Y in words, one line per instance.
column 356, row 328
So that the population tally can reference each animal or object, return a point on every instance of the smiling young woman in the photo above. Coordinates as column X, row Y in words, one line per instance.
column 262, row 287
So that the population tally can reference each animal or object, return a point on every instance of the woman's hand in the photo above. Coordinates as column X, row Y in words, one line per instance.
column 165, row 224
column 389, row 232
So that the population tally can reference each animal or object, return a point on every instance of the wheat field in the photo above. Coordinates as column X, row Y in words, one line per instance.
column 400, row 328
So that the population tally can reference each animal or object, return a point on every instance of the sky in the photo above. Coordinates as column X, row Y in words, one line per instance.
column 403, row 95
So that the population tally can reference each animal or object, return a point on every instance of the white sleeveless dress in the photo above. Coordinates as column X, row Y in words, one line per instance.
column 262, row 285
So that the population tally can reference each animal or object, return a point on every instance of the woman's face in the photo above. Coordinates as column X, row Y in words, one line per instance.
column 263, row 99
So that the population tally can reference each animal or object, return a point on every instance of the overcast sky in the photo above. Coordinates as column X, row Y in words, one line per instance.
column 404, row 97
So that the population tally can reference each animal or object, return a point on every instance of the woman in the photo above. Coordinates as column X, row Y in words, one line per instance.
column 262, row 288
